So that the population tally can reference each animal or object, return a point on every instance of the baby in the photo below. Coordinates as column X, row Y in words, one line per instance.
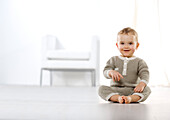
column 129, row 74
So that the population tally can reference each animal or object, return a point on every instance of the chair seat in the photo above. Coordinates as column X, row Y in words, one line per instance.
column 67, row 55
column 68, row 64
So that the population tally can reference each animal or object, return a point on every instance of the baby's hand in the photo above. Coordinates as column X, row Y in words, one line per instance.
column 115, row 75
column 140, row 87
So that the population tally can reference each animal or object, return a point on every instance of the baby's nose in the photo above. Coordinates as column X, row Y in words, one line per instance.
column 126, row 46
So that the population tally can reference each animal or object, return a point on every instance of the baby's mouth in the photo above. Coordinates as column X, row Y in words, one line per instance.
column 126, row 50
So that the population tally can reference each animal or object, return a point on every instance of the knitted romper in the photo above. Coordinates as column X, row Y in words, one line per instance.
column 133, row 70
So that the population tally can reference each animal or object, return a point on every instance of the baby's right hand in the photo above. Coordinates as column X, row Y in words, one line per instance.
column 115, row 75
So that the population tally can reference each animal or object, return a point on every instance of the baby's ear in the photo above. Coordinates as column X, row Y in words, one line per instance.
column 117, row 45
column 137, row 46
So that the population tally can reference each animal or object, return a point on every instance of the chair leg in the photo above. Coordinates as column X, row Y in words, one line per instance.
column 51, row 78
column 41, row 75
column 93, row 78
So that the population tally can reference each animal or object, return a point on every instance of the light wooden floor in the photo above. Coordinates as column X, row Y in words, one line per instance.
column 77, row 103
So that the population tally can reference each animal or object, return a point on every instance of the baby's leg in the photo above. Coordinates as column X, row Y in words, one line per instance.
column 109, row 93
column 143, row 95
column 138, row 97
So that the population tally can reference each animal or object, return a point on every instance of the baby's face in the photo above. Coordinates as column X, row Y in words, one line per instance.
column 127, row 45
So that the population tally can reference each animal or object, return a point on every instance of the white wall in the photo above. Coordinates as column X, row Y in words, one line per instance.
column 24, row 23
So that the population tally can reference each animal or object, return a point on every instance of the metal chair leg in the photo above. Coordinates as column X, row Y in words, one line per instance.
column 51, row 78
column 93, row 78
column 41, row 75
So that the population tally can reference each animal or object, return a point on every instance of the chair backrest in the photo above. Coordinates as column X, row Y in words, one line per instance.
column 49, row 42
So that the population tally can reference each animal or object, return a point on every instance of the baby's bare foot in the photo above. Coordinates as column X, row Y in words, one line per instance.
column 120, row 99
column 127, row 99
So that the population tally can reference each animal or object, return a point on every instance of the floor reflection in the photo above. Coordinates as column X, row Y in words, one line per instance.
column 134, row 111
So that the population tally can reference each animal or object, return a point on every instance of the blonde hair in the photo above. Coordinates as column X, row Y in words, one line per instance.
column 128, row 31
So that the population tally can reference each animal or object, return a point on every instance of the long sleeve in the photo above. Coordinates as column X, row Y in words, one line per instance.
column 143, row 71
column 110, row 65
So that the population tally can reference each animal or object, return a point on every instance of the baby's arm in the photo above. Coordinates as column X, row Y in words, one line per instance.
column 143, row 73
column 109, row 71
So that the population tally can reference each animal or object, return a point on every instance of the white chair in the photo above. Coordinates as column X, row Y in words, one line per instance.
column 57, row 58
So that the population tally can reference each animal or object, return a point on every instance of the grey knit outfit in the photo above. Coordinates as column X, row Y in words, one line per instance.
column 133, row 70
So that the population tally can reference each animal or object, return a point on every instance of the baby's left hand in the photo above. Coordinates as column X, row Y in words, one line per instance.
column 140, row 87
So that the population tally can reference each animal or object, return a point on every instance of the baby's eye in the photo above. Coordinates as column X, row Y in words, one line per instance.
column 131, row 43
column 122, row 43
